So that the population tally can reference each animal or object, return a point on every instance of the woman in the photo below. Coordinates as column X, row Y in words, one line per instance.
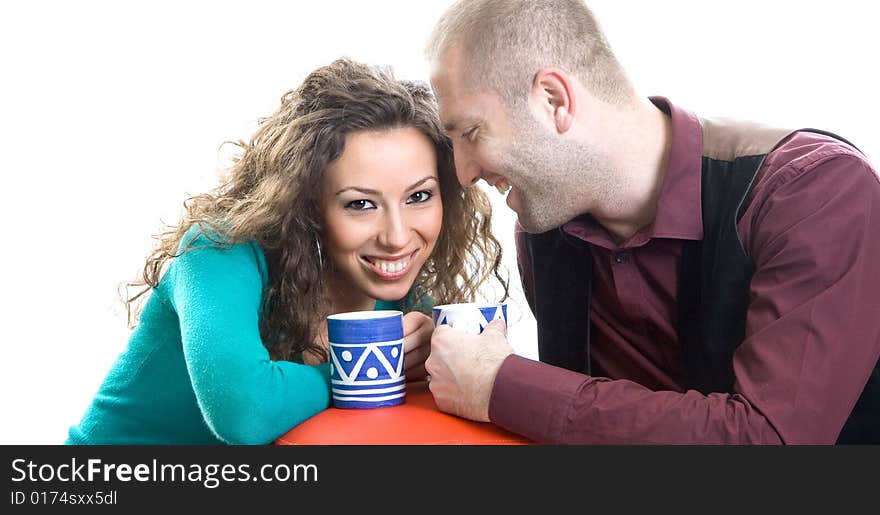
column 345, row 199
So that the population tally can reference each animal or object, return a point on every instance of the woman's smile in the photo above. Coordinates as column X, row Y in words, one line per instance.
column 390, row 268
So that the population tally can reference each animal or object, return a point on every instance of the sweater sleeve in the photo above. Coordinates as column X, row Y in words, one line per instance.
column 245, row 397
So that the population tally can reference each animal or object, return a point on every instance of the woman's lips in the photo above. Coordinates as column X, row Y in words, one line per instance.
column 390, row 269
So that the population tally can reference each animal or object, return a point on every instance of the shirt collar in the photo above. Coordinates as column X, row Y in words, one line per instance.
column 679, row 208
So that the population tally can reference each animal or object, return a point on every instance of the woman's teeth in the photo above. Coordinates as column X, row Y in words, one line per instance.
column 502, row 186
column 390, row 267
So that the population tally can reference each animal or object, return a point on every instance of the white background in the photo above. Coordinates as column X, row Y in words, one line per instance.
column 112, row 112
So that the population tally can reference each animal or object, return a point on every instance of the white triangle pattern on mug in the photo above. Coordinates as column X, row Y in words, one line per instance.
column 350, row 373
column 395, row 362
column 473, row 315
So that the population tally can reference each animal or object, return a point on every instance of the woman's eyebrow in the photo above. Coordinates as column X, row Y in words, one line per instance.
column 361, row 190
column 421, row 181
column 368, row 191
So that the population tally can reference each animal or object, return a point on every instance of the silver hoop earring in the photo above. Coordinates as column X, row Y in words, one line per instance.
column 320, row 256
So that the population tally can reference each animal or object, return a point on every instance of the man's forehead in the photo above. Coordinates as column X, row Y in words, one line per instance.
column 461, row 102
column 448, row 61
column 449, row 98
column 443, row 82
column 455, row 109
column 458, row 111
column 447, row 73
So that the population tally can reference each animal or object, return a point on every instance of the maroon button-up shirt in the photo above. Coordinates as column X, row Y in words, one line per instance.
column 811, row 227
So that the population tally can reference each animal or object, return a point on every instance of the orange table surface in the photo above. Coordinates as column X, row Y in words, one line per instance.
column 415, row 422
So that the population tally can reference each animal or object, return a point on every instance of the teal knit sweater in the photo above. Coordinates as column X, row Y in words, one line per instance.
column 195, row 370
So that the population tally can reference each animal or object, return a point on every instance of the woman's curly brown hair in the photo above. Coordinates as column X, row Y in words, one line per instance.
column 270, row 195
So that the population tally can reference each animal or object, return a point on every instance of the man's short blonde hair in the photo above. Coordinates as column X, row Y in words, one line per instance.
column 505, row 42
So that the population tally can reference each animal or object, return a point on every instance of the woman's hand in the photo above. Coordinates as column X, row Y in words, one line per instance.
column 417, row 329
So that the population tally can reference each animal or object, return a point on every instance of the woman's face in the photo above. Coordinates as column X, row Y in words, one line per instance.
column 382, row 213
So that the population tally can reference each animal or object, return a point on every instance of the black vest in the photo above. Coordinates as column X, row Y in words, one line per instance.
column 713, row 292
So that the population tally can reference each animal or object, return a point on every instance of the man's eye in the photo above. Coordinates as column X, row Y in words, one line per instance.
column 360, row 205
column 419, row 197
column 470, row 134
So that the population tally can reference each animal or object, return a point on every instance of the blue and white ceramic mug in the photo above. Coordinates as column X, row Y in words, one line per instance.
column 366, row 359
column 470, row 317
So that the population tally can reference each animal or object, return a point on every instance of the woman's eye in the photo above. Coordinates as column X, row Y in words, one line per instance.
column 419, row 197
column 360, row 205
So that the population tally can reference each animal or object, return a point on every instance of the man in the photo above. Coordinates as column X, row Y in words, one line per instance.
column 694, row 281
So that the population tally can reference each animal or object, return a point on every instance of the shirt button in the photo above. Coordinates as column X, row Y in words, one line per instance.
column 620, row 257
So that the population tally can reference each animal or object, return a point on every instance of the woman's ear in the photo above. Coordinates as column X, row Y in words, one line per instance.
column 552, row 91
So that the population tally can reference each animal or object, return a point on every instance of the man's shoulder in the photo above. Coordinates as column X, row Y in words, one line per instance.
column 808, row 173
column 727, row 139
column 805, row 152
column 805, row 148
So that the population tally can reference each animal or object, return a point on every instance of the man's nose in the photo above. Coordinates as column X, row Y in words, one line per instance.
column 395, row 230
column 466, row 169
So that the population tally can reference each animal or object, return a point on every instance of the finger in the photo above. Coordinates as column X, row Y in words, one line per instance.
column 497, row 325
column 413, row 321
column 416, row 339
column 416, row 357
column 430, row 365
column 442, row 331
column 417, row 374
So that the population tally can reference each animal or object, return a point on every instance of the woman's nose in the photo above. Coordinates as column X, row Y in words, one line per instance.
column 395, row 230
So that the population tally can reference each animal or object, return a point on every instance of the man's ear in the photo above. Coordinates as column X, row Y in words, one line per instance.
column 553, row 93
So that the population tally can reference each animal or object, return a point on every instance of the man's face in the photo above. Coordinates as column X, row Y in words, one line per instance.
column 505, row 151
column 476, row 121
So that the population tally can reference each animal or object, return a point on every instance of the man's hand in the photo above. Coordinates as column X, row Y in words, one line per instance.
column 417, row 328
column 463, row 368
